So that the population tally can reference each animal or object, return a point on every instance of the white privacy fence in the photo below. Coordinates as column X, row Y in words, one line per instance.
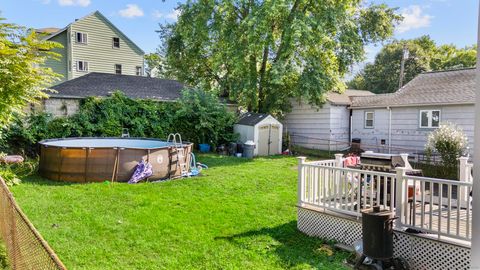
column 429, row 205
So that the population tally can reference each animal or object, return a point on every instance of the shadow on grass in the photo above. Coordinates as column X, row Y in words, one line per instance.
column 36, row 179
column 214, row 160
column 292, row 246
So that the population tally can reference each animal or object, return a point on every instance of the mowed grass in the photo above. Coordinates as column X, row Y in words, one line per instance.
column 239, row 214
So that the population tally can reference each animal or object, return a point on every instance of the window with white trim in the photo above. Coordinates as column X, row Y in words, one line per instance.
column 82, row 66
column 138, row 71
column 429, row 118
column 81, row 37
column 116, row 42
column 118, row 69
column 369, row 117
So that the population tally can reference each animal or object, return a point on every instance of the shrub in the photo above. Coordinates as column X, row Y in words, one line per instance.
column 450, row 142
column 12, row 173
column 198, row 116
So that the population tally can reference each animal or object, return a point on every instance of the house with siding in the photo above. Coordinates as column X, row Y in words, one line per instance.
column 401, row 121
column 324, row 128
column 93, row 44
column 66, row 99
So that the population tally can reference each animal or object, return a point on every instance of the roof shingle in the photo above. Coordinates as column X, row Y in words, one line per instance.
column 430, row 88
column 103, row 84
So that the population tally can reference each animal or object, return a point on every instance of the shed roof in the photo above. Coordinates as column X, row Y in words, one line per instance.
column 103, row 84
column 429, row 88
column 251, row 119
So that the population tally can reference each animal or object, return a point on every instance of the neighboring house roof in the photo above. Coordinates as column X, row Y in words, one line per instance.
column 107, row 21
column 103, row 84
column 430, row 88
column 251, row 119
column 47, row 30
column 345, row 97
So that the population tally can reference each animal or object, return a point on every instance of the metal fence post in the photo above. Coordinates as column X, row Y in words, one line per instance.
column 399, row 195
column 301, row 186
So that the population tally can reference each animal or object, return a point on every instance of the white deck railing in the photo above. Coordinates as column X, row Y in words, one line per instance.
column 433, row 206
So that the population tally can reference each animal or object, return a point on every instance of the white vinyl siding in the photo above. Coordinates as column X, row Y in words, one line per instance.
column 406, row 134
column 369, row 119
column 99, row 52
column 325, row 128
column 429, row 118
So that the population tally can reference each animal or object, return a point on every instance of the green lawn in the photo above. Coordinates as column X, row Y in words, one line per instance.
column 239, row 215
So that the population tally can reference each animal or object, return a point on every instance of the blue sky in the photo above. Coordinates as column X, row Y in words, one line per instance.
column 446, row 21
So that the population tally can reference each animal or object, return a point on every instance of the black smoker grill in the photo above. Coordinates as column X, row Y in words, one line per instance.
column 377, row 230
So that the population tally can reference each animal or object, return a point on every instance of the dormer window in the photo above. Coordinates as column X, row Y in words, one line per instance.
column 81, row 37
column 116, row 42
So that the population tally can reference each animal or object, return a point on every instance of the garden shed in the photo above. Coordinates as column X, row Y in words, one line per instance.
column 264, row 130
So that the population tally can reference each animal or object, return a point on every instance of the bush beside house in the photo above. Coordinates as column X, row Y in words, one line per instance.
column 200, row 117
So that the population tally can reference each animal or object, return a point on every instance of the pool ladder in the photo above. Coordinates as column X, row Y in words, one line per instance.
column 176, row 140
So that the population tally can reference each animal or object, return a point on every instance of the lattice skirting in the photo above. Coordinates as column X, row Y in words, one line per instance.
column 421, row 253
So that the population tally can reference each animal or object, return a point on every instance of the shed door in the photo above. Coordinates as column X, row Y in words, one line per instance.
column 268, row 136
column 263, row 139
column 274, row 139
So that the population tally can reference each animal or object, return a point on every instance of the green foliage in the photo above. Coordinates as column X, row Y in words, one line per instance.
column 263, row 53
column 22, row 78
column 203, row 119
column 198, row 116
column 382, row 76
column 155, row 66
column 13, row 173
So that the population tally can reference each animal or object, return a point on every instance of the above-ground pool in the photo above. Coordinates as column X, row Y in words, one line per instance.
column 112, row 159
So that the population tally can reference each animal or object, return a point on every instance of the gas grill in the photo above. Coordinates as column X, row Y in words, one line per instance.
column 385, row 162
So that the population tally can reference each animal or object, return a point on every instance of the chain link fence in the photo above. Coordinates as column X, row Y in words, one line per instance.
column 25, row 247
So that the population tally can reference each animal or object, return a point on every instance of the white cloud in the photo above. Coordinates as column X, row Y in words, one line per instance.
column 131, row 11
column 173, row 15
column 413, row 18
column 45, row 2
column 82, row 3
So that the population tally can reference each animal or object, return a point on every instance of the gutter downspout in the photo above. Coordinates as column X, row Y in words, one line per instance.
column 389, row 129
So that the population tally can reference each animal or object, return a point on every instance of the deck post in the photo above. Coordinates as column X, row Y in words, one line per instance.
column 475, row 259
column 301, row 186
column 463, row 177
column 339, row 160
column 399, row 195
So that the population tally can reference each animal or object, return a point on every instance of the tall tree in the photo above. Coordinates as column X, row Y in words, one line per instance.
column 262, row 53
column 382, row 76
column 23, row 80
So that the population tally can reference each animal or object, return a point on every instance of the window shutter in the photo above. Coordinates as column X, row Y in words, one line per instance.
column 85, row 66
column 85, row 38
column 76, row 66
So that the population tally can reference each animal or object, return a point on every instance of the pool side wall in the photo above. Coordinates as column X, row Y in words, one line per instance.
column 107, row 164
